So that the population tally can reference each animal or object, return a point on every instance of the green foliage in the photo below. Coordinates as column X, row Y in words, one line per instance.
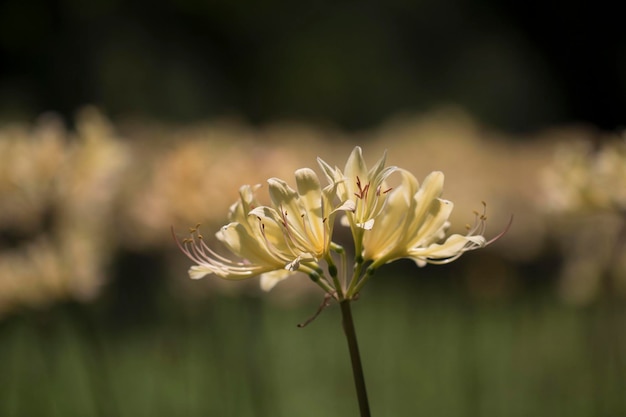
column 424, row 353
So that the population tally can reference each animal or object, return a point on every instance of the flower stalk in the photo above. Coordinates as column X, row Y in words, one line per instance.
column 355, row 357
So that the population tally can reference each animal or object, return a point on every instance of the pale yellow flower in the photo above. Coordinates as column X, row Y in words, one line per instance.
column 365, row 188
column 275, row 241
column 414, row 220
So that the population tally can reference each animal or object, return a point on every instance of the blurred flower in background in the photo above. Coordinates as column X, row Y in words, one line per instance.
column 58, row 190
column 71, row 200
column 585, row 192
column 588, row 177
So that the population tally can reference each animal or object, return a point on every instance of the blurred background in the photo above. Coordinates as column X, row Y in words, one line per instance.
column 119, row 120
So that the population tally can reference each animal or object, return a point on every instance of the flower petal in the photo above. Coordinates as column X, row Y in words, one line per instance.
column 431, row 189
column 314, row 216
column 199, row 271
column 239, row 241
column 355, row 166
column 270, row 279
column 448, row 251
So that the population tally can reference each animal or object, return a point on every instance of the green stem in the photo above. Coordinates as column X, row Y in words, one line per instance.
column 344, row 268
column 332, row 270
column 355, row 358
column 368, row 273
column 317, row 278
column 358, row 266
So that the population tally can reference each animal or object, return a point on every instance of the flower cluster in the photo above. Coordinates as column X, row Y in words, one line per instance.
column 585, row 178
column 294, row 233
column 585, row 186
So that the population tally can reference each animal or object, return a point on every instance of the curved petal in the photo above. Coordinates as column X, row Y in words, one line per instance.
column 430, row 190
column 333, row 175
column 314, row 216
column 282, row 195
column 239, row 241
column 355, row 166
column 448, row 251
column 389, row 234
column 270, row 279
column 240, row 209
column 433, row 221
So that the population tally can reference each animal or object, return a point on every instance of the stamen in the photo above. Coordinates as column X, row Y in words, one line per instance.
column 502, row 233
column 198, row 251
column 378, row 192
column 362, row 194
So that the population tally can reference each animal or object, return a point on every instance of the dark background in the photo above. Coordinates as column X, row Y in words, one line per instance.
column 517, row 66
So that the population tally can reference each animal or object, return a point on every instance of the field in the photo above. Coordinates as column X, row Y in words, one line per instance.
column 427, row 351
